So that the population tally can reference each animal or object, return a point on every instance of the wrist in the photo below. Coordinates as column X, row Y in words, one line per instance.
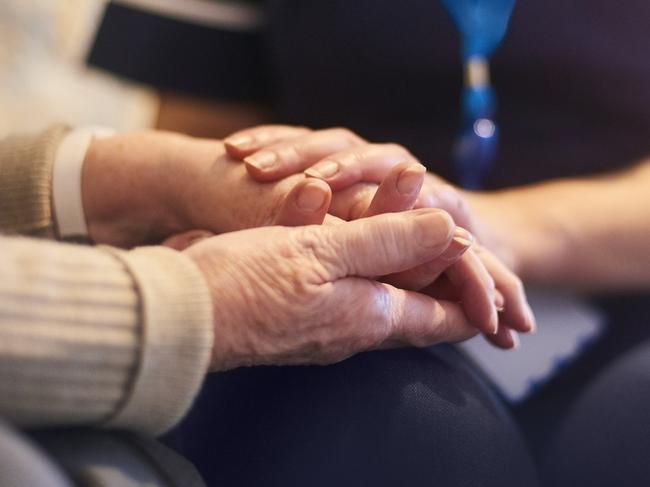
column 502, row 226
column 125, row 188
column 522, row 231
column 223, row 354
column 190, row 177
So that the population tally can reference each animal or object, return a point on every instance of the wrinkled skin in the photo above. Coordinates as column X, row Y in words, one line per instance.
column 306, row 295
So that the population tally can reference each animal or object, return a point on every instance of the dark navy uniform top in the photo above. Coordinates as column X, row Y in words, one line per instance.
column 572, row 77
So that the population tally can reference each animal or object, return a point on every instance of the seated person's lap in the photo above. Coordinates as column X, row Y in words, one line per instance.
column 604, row 439
column 409, row 417
column 627, row 318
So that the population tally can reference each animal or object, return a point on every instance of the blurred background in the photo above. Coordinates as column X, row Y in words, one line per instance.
column 42, row 75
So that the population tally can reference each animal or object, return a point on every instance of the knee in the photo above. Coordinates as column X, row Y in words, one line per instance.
column 423, row 414
column 605, row 437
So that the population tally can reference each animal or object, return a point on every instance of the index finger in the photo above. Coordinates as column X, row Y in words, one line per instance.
column 476, row 289
column 281, row 159
column 245, row 142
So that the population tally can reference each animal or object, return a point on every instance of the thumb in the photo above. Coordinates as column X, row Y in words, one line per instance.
column 306, row 204
column 383, row 244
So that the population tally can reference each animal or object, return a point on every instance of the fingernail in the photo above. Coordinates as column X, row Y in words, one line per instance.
column 499, row 301
column 311, row 197
column 461, row 234
column 239, row 141
column 457, row 247
column 432, row 228
column 494, row 322
column 515, row 339
column 262, row 160
column 531, row 319
column 410, row 179
column 323, row 170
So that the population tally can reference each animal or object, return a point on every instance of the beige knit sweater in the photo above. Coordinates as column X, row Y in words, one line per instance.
column 90, row 335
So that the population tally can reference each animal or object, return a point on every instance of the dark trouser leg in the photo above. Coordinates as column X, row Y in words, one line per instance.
column 400, row 417
column 628, row 324
column 604, row 440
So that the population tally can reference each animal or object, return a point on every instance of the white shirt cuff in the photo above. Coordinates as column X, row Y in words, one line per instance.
column 66, row 180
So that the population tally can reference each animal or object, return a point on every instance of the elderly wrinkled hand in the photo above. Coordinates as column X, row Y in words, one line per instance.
column 309, row 295
column 369, row 179
column 143, row 187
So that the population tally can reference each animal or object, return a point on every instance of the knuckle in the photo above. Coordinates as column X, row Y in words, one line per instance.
column 255, row 130
column 290, row 152
column 352, row 159
column 341, row 131
column 346, row 134
column 261, row 133
column 452, row 194
column 280, row 132
column 447, row 188
column 397, row 149
column 346, row 334
column 302, row 129
column 308, row 239
column 380, row 314
column 318, row 251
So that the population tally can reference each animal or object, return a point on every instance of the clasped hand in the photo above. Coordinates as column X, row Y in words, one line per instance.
column 309, row 294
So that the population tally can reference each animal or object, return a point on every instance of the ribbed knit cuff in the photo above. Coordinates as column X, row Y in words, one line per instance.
column 176, row 339
column 26, row 181
column 69, row 333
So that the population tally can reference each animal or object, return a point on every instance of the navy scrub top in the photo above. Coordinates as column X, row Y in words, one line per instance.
column 573, row 77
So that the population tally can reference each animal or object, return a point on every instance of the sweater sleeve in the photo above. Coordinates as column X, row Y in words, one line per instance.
column 26, row 181
column 98, row 336
column 91, row 336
